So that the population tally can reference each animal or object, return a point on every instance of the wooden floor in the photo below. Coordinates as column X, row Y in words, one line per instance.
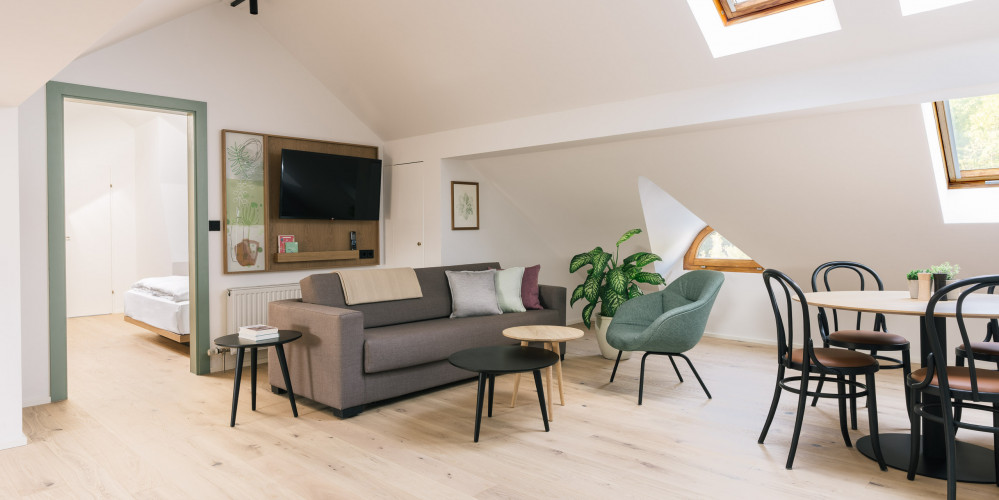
column 139, row 425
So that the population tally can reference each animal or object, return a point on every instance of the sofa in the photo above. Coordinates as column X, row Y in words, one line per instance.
column 351, row 356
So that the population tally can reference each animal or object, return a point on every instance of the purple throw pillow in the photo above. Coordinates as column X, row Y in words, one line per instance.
column 529, row 288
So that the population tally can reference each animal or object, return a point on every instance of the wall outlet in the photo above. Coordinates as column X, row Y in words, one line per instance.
column 367, row 254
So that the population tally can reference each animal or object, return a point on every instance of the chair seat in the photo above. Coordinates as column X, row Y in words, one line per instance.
column 987, row 348
column 959, row 378
column 836, row 358
column 868, row 337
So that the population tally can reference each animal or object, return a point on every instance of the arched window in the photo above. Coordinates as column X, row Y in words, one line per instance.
column 711, row 250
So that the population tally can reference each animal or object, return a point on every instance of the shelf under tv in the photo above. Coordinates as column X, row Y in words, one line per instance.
column 316, row 256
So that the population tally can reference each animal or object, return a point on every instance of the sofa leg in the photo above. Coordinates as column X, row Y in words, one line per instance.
column 278, row 390
column 347, row 412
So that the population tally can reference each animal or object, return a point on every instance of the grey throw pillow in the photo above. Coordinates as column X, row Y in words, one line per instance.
column 473, row 293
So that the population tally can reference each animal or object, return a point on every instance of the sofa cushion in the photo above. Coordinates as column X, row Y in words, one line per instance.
column 473, row 293
column 326, row 289
column 509, row 284
column 411, row 344
column 529, row 287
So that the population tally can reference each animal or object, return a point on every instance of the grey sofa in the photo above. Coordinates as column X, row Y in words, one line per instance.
column 351, row 356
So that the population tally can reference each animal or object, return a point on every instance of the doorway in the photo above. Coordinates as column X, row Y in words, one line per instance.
column 195, row 114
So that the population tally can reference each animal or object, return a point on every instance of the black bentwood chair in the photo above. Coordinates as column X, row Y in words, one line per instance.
column 812, row 361
column 952, row 386
column 987, row 350
column 857, row 339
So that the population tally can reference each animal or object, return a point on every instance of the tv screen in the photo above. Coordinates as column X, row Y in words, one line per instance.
column 325, row 186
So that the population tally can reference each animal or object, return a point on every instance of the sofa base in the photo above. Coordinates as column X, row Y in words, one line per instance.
column 347, row 412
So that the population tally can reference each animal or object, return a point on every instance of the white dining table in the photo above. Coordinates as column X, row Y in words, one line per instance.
column 974, row 463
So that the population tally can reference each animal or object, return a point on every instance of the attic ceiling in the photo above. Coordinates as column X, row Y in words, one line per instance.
column 411, row 68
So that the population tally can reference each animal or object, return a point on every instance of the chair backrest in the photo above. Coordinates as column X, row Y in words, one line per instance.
column 698, row 285
column 937, row 360
column 867, row 279
column 781, row 294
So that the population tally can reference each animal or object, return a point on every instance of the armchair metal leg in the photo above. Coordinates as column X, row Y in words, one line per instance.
column 641, row 377
column 616, row 362
column 691, row 365
column 675, row 369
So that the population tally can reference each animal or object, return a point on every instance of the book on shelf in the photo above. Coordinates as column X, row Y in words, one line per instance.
column 282, row 239
column 258, row 332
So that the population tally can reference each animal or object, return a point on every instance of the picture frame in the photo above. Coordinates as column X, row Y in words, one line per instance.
column 243, row 202
column 464, row 205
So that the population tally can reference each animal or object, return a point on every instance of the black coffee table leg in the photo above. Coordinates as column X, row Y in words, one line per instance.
column 541, row 398
column 478, row 404
column 492, row 383
column 279, row 349
column 235, row 385
column 253, row 378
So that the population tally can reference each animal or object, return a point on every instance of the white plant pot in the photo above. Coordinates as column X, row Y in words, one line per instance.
column 953, row 294
column 913, row 288
column 601, row 323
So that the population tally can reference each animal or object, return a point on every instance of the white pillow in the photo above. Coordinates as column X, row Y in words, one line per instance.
column 473, row 293
column 508, row 287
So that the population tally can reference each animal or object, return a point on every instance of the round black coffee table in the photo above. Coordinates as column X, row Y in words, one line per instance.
column 240, row 344
column 498, row 360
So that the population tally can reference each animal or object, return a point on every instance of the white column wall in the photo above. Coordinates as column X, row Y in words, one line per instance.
column 11, row 432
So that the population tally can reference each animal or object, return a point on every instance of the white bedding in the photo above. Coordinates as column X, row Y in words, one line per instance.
column 174, row 288
column 158, row 311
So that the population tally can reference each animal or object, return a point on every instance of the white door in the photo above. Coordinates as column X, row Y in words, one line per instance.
column 405, row 219
column 88, row 241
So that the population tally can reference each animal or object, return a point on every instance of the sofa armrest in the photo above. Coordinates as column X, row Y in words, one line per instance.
column 326, row 364
column 553, row 297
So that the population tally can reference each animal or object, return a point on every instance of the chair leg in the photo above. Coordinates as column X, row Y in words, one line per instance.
column 872, row 417
column 773, row 405
column 616, row 362
column 914, row 433
column 691, row 365
column 995, row 439
column 949, row 437
column 818, row 389
column 959, row 359
column 906, row 371
column 841, row 391
column 675, row 369
column 641, row 379
column 853, row 402
column 802, row 403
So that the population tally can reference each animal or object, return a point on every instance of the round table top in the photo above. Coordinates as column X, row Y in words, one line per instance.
column 235, row 341
column 503, row 359
column 543, row 333
column 896, row 302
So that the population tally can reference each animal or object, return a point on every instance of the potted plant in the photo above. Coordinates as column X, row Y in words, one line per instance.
column 610, row 282
column 948, row 272
column 913, row 281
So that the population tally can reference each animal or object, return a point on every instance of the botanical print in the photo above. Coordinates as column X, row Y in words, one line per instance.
column 464, row 205
column 244, row 191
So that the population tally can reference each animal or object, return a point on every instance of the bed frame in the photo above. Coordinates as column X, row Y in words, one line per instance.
column 176, row 337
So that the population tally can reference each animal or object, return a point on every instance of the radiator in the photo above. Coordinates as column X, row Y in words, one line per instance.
column 248, row 305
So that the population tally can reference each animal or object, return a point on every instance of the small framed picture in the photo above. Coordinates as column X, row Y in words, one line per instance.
column 464, row 205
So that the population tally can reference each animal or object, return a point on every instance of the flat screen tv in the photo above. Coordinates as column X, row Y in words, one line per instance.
column 326, row 186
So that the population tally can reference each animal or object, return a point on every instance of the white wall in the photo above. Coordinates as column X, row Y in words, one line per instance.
column 215, row 55
column 11, row 433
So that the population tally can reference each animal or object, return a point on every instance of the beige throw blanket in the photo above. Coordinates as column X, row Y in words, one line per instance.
column 361, row 286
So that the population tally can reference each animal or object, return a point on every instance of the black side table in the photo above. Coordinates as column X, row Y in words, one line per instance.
column 498, row 360
column 240, row 344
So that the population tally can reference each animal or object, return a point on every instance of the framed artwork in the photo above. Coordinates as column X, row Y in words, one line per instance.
column 464, row 205
column 243, row 201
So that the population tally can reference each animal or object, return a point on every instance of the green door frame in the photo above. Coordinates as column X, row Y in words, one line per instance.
column 55, row 95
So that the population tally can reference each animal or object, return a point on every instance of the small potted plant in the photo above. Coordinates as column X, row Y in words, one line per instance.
column 611, row 282
column 912, row 278
column 945, row 272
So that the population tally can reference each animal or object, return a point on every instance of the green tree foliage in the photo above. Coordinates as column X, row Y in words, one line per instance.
column 975, row 122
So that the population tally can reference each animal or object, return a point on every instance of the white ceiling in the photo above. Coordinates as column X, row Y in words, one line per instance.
column 410, row 68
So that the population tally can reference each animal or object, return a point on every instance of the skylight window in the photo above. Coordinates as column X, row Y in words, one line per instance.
column 969, row 137
column 737, row 11
column 711, row 250
column 916, row 6
column 800, row 22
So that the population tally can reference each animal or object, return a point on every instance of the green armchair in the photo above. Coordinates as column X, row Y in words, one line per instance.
column 669, row 322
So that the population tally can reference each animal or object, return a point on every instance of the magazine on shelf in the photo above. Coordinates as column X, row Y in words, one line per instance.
column 282, row 239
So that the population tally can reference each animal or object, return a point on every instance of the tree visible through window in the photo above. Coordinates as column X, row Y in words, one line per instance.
column 969, row 138
column 737, row 11
column 710, row 250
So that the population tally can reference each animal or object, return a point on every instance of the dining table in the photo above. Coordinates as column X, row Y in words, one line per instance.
column 975, row 464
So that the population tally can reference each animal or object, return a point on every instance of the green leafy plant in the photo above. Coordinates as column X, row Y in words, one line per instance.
column 914, row 274
column 609, row 282
column 951, row 270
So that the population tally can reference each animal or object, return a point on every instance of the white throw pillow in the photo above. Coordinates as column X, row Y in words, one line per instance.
column 508, row 287
column 473, row 293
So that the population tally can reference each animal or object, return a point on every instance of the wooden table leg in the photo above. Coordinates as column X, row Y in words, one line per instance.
column 558, row 370
column 548, row 375
column 253, row 378
column 235, row 386
column 516, row 381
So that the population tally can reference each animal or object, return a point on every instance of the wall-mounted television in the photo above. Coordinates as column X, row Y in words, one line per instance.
column 327, row 186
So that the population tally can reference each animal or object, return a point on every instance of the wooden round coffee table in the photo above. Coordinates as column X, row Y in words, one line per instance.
column 551, row 335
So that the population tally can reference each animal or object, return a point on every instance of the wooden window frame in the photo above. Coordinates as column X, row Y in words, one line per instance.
column 972, row 179
column 690, row 260
column 757, row 9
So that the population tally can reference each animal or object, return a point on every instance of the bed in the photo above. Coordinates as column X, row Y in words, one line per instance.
column 161, row 305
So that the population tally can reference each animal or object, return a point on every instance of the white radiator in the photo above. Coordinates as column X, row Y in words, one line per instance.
column 248, row 305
